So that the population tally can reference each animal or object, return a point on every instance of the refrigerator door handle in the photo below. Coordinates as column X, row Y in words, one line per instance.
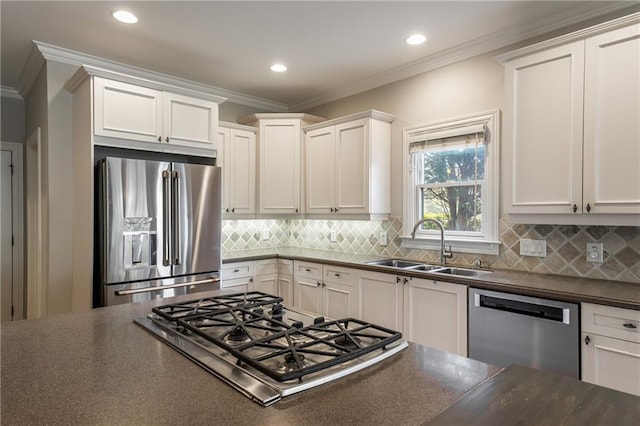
column 176, row 219
column 166, row 223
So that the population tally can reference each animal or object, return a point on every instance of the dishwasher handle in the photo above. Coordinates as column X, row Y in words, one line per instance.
column 536, row 310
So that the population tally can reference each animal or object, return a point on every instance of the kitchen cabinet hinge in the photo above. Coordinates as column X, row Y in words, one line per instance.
column 11, row 167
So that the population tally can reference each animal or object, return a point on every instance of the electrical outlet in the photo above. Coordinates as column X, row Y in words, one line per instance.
column 333, row 236
column 382, row 239
column 594, row 253
column 265, row 234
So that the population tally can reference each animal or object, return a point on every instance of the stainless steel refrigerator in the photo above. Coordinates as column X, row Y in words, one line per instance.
column 159, row 229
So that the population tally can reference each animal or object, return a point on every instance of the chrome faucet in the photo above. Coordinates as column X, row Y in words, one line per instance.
column 444, row 254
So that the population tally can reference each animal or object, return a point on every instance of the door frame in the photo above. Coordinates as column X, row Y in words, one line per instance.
column 17, row 211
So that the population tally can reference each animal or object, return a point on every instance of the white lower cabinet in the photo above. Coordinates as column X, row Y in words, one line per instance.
column 428, row 312
column 285, row 280
column 265, row 279
column 325, row 290
column 611, row 347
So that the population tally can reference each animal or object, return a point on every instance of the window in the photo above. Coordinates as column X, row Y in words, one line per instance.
column 451, row 174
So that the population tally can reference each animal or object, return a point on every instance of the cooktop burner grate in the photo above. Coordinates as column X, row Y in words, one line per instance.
column 175, row 311
column 287, row 351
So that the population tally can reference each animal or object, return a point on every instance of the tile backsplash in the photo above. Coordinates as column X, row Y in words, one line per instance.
column 566, row 244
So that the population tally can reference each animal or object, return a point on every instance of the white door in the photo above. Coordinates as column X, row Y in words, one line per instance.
column 380, row 299
column 6, row 236
column 435, row 314
column 11, row 232
column 240, row 161
column 126, row 111
column 352, row 166
column 280, row 160
column 611, row 129
column 543, row 130
column 266, row 284
column 189, row 121
column 320, row 170
column 339, row 300
column 307, row 295
column 613, row 363
column 285, row 288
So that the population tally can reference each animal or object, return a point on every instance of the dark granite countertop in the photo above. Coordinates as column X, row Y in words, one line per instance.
column 98, row 367
column 559, row 287
column 524, row 396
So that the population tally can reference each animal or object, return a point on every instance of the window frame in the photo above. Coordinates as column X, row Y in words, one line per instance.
column 488, row 240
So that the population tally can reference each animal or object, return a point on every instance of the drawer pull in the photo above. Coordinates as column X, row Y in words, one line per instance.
column 629, row 325
column 307, row 269
column 236, row 270
column 336, row 274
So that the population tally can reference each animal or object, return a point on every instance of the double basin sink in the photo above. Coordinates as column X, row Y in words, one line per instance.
column 436, row 269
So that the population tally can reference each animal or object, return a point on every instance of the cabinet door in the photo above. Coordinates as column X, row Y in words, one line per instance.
column 307, row 294
column 612, row 363
column 320, row 169
column 126, row 111
column 240, row 164
column 435, row 314
column 543, row 130
column 285, row 288
column 380, row 299
column 189, row 121
column 266, row 284
column 340, row 299
column 280, row 176
column 352, row 166
column 611, row 129
column 223, row 141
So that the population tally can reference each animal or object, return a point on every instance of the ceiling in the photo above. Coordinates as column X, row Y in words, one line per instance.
column 332, row 48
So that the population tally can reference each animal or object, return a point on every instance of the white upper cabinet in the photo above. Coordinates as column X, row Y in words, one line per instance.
column 131, row 112
column 612, row 122
column 347, row 165
column 572, row 141
column 189, row 121
column 238, row 160
column 280, row 161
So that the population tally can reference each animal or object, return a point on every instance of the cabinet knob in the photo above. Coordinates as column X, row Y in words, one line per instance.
column 587, row 339
column 167, row 139
column 331, row 209
column 318, row 284
column 296, row 210
column 251, row 279
column 227, row 209
column 233, row 210
column 336, row 210
column 588, row 207
column 575, row 208
column 159, row 138
column 397, row 280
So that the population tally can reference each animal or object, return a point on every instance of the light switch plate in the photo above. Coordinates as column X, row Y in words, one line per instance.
column 537, row 248
column 382, row 239
column 333, row 236
column 265, row 234
column 595, row 253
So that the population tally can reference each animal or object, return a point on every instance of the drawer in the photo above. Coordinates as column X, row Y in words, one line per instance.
column 264, row 267
column 238, row 284
column 236, row 270
column 308, row 269
column 340, row 275
column 610, row 321
column 285, row 266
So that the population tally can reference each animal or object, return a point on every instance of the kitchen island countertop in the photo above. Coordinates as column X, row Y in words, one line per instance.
column 99, row 367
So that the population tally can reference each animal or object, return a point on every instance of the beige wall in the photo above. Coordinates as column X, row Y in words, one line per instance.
column 467, row 87
column 12, row 124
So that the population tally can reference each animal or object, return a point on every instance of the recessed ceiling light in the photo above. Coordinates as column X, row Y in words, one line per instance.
column 124, row 16
column 278, row 67
column 416, row 39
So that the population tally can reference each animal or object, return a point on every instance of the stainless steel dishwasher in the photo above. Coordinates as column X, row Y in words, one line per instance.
column 507, row 329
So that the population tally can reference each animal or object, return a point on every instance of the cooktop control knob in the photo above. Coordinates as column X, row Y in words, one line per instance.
column 318, row 320
column 276, row 309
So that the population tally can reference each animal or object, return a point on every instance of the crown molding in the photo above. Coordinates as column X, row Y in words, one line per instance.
column 10, row 92
column 489, row 43
column 574, row 36
column 46, row 52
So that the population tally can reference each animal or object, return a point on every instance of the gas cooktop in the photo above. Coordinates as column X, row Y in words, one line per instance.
column 267, row 350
